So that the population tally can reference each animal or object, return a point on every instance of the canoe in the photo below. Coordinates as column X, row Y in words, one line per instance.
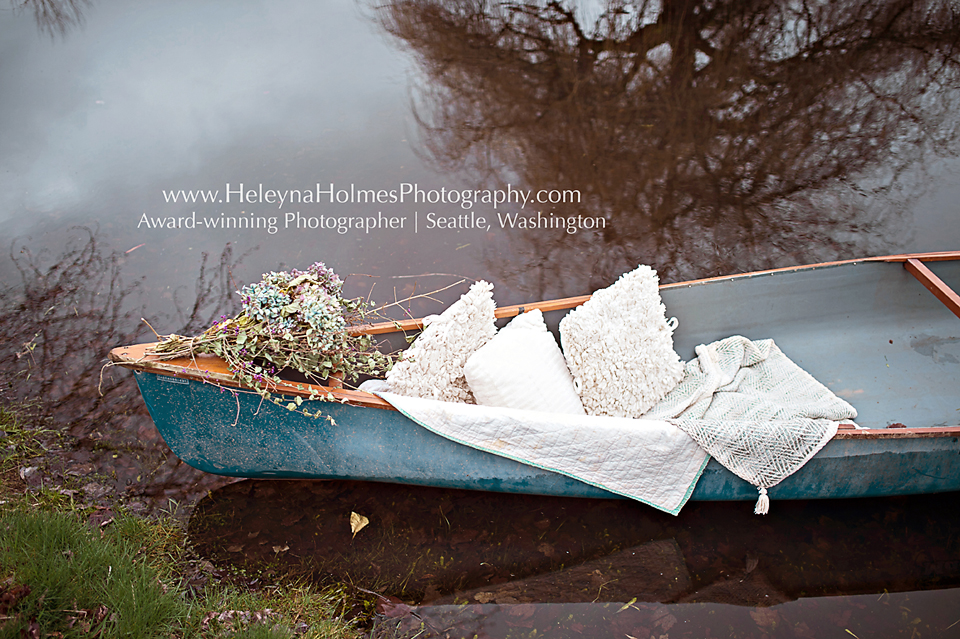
column 882, row 333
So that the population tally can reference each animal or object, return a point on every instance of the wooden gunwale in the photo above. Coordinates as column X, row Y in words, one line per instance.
column 399, row 326
column 212, row 369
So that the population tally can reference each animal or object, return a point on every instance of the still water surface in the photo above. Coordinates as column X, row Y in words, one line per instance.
column 516, row 566
column 701, row 138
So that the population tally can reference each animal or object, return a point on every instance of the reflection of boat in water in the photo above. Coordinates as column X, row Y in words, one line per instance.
column 458, row 554
column 868, row 329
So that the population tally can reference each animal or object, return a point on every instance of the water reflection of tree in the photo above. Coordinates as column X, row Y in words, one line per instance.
column 54, row 16
column 713, row 136
column 63, row 318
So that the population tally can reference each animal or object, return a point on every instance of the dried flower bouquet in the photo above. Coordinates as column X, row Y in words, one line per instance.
column 295, row 320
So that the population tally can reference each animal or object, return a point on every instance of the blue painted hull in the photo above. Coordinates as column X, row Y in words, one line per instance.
column 233, row 433
column 868, row 330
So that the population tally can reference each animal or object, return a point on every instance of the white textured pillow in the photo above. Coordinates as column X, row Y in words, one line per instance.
column 433, row 365
column 619, row 347
column 522, row 367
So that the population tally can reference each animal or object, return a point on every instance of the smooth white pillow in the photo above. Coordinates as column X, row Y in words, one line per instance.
column 432, row 367
column 522, row 367
column 619, row 347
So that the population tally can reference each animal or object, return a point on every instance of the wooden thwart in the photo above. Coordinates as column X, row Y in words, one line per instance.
column 934, row 284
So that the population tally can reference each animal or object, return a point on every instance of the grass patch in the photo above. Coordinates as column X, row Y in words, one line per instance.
column 61, row 577
column 70, row 569
column 64, row 580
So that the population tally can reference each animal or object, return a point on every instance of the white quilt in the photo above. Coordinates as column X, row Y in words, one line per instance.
column 651, row 461
column 743, row 402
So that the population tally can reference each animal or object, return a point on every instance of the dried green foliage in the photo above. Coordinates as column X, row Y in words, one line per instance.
column 297, row 320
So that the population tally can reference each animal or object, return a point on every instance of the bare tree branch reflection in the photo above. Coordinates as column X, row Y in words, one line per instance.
column 63, row 318
column 59, row 323
column 54, row 16
column 711, row 136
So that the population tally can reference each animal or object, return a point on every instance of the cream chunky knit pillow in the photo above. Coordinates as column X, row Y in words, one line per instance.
column 433, row 365
column 619, row 347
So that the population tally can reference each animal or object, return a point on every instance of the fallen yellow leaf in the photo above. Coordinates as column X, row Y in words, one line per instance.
column 357, row 523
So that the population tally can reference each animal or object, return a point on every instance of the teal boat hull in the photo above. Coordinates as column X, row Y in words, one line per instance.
column 869, row 330
column 233, row 433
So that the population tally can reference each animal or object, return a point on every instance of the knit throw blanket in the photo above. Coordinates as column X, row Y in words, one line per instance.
column 754, row 410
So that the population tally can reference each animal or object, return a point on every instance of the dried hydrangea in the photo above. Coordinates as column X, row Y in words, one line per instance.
column 290, row 319
column 265, row 302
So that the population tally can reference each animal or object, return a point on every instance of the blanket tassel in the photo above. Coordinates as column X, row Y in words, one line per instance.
column 763, row 504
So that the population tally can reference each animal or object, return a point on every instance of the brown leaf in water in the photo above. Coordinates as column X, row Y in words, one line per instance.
column 291, row 519
column 357, row 523
column 664, row 619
